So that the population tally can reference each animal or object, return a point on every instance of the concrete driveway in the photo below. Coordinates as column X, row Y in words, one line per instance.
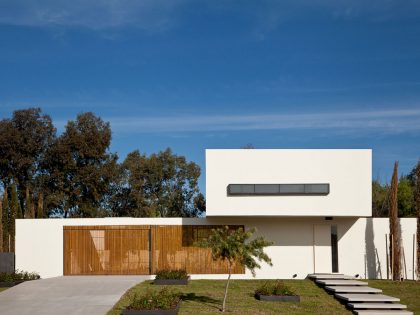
column 66, row 295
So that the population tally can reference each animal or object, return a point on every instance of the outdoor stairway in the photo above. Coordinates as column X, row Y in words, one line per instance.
column 358, row 297
column 352, row 289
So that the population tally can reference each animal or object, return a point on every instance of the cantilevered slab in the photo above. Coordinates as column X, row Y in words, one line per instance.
column 331, row 282
column 352, row 289
column 356, row 297
column 382, row 312
column 376, row 306
column 317, row 276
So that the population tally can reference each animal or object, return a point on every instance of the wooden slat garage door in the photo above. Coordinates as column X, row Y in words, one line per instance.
column 106, row 250
column 128, row 249
column 173, row 247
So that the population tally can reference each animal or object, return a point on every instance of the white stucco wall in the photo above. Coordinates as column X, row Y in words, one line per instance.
column 349, row 173
column 363, row 248
column 39, row 243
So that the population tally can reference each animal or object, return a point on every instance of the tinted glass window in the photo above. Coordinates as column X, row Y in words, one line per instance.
column 268, row 189
column 292, row 188
column 317, row 188
column 248, row 189
column 235, row 189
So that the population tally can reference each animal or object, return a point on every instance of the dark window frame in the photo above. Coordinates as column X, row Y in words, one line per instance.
column 307, row 189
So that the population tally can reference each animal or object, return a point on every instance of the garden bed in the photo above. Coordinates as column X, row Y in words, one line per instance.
column 154, row 302
column 172, row 277
column 276, row 291
column 8, row 280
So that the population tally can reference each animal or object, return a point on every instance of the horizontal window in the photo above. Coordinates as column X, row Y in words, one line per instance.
column 277, row 189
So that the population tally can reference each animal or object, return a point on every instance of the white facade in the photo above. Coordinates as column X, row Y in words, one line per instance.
column 296, row 224
column 348, row 172
column 300, row 246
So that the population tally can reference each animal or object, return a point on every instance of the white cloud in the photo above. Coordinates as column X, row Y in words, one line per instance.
column 384, row 121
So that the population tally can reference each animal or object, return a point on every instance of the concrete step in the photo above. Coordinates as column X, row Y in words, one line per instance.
column 330, row 282
column 382, row 312
column 376, row 306
column 352, row 289
column 317, row 276
column 349, row 297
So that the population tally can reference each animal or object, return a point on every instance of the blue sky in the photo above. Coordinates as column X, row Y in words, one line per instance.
column 192, row 75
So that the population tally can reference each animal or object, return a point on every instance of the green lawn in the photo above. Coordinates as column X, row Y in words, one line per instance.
column 2, row 289
column 407, row 291
column 205, row 296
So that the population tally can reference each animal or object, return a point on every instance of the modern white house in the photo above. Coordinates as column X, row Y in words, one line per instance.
column 314, row 205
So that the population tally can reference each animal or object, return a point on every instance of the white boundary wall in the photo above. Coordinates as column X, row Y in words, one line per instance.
column 361, row 243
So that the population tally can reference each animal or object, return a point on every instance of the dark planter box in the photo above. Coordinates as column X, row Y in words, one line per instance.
column 173, row 311
column 171, row 281
column 7, row 262
column 10, row 284
column 278, row 298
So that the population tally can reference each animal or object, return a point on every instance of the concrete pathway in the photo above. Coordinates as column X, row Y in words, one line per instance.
column 363, row 300
column 93, row 295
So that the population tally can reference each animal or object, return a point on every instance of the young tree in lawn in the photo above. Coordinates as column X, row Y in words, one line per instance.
column 5, row 220
column 235, row 247
column 418, row 216
column 394, row 231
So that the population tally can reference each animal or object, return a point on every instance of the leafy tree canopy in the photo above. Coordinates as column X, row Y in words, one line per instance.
column 159, row 185
column 75, row 174
column 80, row 168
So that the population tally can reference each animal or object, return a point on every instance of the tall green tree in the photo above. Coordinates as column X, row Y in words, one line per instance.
column 80, row 168
column 15, row 213
column 29, row 205
column 25, row 139
column 5, row 220
column 40, row 206
column 380, row 203
column 406, row 204
column 159, row 185
column 394, row 230
column 235, row 247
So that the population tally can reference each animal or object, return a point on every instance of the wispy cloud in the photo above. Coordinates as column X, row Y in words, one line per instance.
column 271, row 14
column 152, row 15
column 155, row 15
column 384, row 121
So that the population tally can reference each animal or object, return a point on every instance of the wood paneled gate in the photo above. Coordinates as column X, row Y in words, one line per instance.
column 138, row 250
column 106, row 250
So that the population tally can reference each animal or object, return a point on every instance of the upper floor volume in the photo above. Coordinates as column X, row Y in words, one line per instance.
column 289, row 182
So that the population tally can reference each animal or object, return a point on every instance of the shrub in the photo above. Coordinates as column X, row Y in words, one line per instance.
column 274, row 288
column 177, row 274
column 18, row 275
column 151, row 300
